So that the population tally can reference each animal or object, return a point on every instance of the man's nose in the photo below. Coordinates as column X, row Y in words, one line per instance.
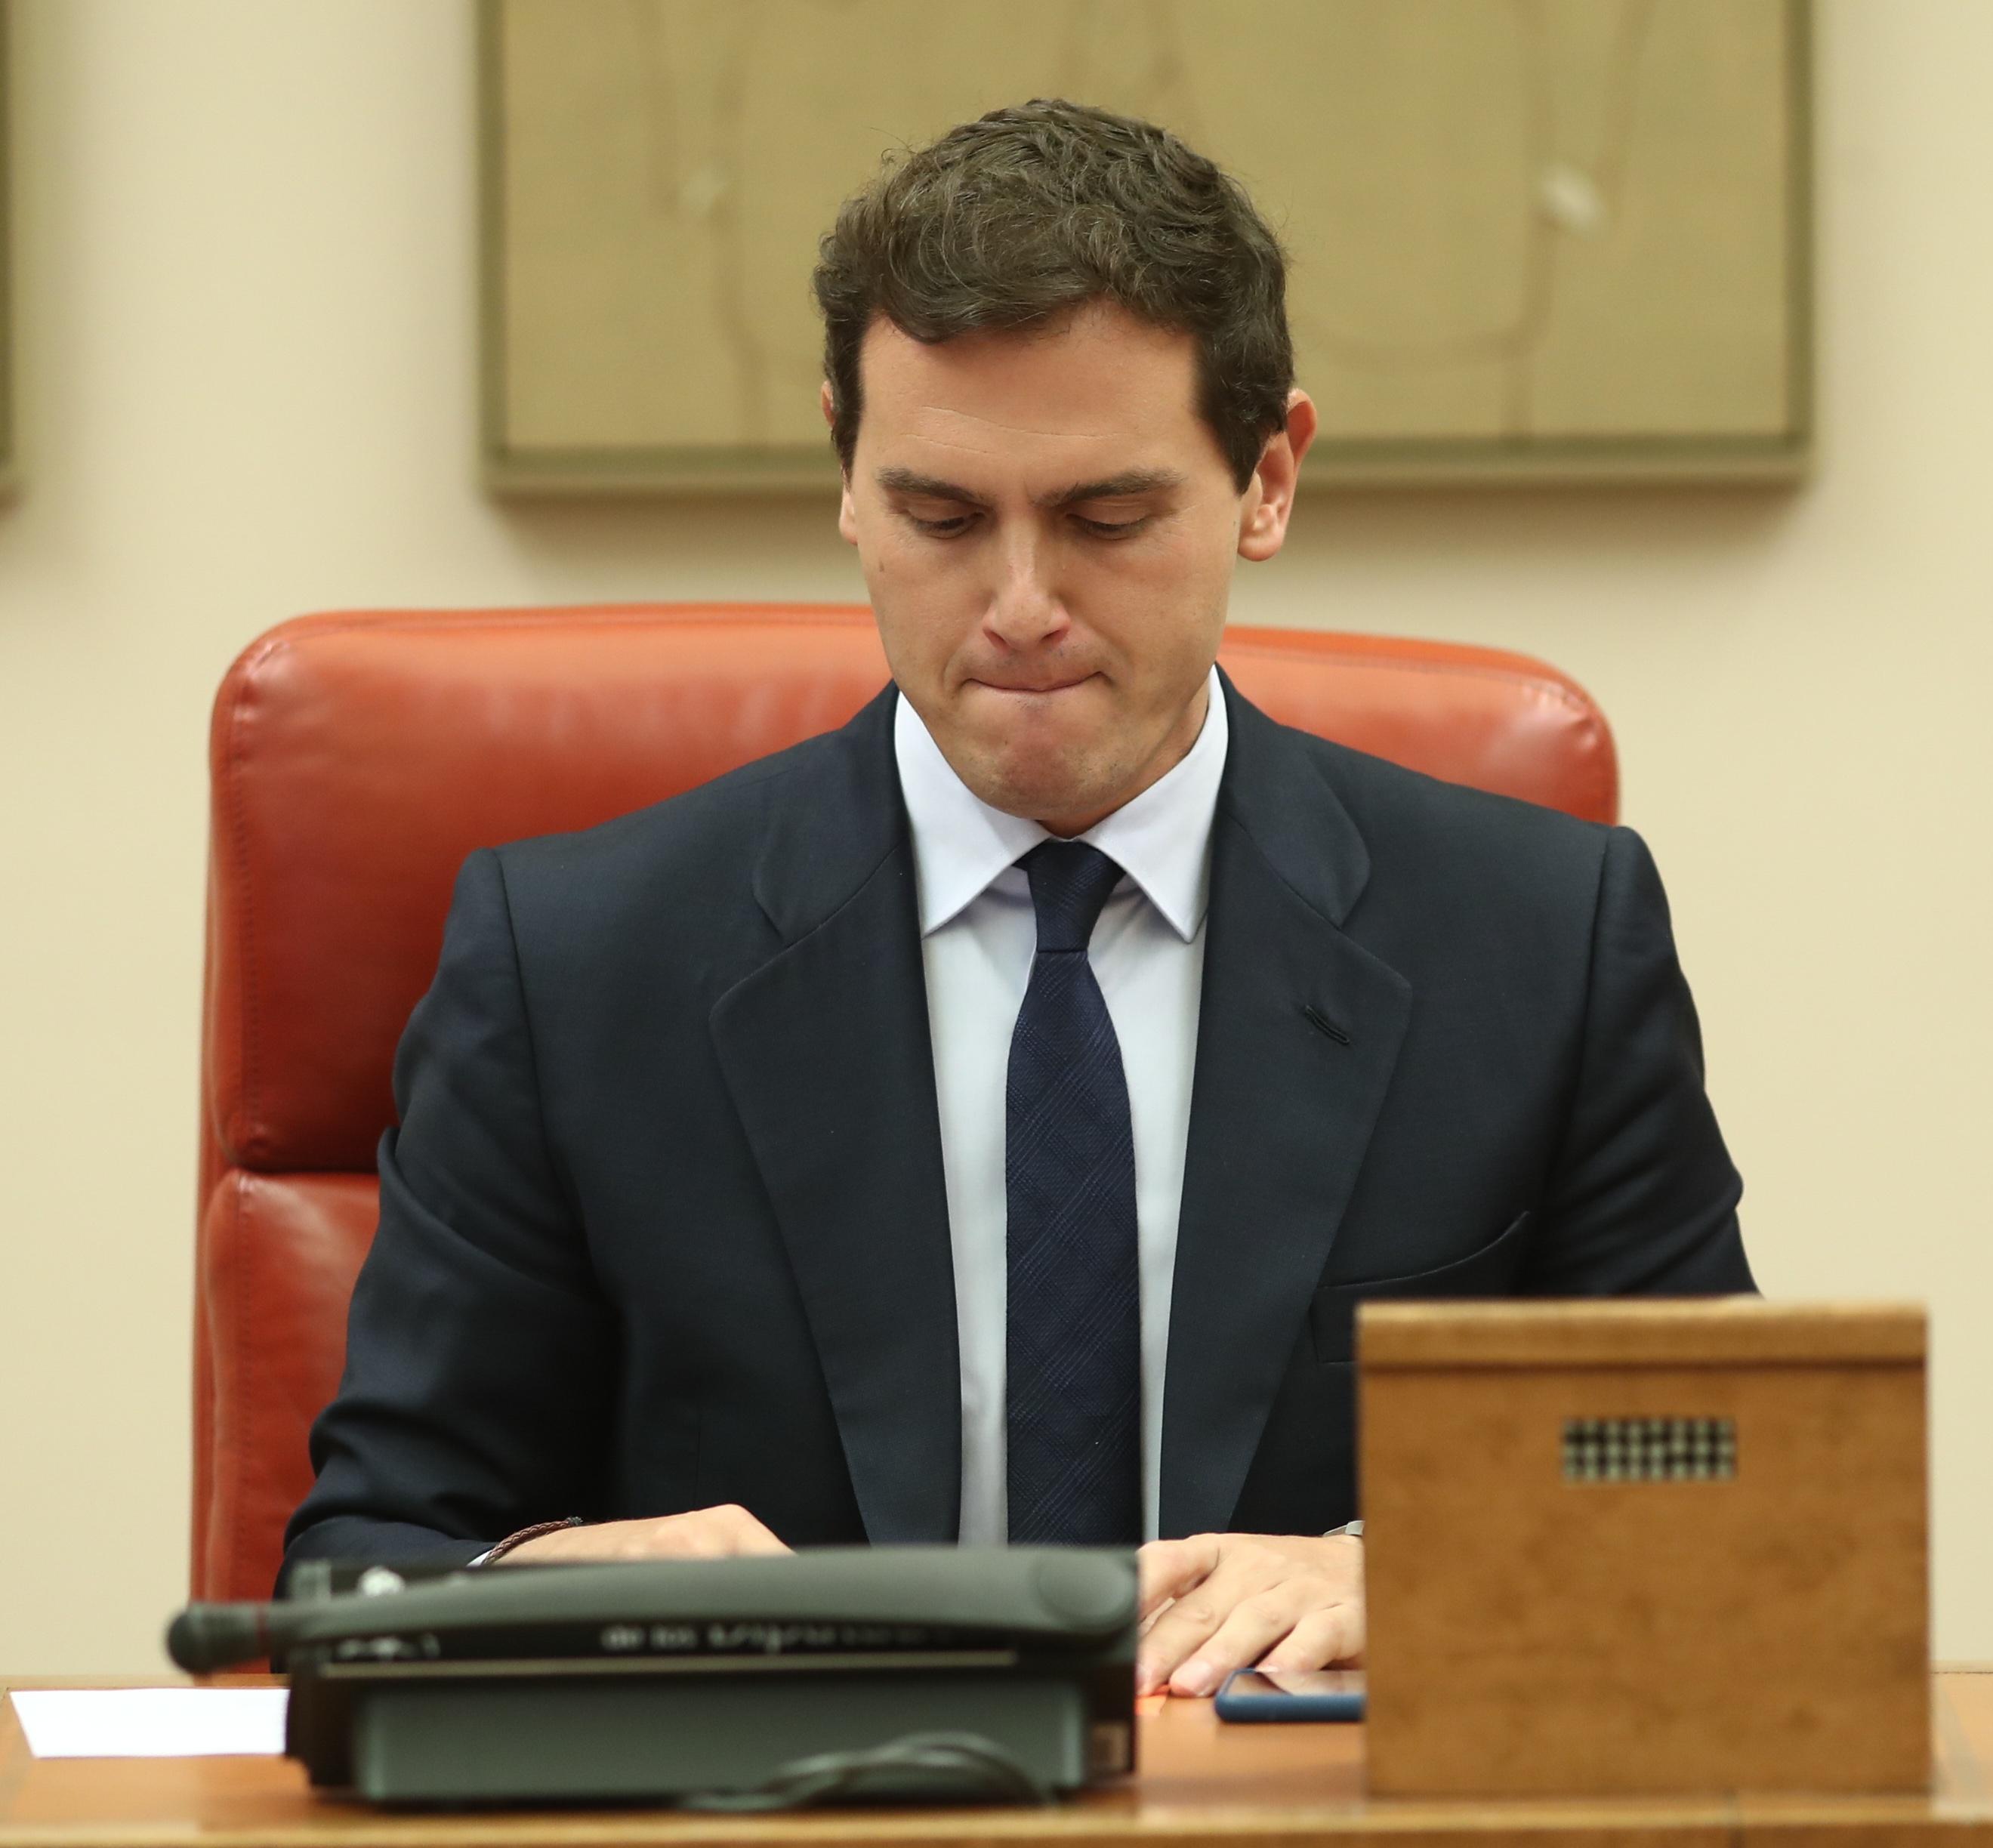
column 1026, row 608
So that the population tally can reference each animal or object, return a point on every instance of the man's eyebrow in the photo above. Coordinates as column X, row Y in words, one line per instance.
column 910, row 481
column 1124, row 486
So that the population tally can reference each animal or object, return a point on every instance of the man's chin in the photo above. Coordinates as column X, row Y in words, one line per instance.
column 1038, row 795
column 1043, row 763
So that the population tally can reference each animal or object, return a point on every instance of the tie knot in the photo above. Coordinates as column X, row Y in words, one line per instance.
column 1070, row 883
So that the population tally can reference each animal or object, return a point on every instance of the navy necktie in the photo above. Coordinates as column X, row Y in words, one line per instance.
column 1074, row 1385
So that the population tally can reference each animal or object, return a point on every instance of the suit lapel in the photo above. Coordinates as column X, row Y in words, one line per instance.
column 1298, row 1031
column 827, row 1052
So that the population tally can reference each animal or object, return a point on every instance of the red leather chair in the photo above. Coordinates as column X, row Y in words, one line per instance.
column 356, row 759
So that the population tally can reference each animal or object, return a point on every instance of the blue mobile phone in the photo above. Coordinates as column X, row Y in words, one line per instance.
column 1258, row 1694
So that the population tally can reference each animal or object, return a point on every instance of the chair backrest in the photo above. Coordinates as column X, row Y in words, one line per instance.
column 356, row 759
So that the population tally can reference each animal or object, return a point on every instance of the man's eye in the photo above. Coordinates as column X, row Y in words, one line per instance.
column 948, row 528
column 1112, row 529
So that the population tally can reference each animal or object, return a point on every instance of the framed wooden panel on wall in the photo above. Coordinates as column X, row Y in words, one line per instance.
column 1532, row 240
column 7, row 439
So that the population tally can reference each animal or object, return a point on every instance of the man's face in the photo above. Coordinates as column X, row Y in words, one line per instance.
column 1048, row 528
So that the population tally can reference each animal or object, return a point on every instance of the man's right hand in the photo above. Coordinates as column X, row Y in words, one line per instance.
column 707, row 1533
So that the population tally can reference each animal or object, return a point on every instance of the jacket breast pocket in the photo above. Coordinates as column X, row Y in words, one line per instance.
column 1492, row 1271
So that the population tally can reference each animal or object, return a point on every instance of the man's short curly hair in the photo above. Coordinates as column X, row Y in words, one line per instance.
column 1010, row 221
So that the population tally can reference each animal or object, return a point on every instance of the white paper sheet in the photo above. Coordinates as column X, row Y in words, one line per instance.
column 151, row 1723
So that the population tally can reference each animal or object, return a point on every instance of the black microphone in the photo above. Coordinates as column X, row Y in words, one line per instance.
column 204, row 1637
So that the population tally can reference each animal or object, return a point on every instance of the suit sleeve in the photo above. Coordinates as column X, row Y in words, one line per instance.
column 1642, row 1195
column 477, row 1393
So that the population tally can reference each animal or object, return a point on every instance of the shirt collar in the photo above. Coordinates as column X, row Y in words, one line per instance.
column 1161, row 839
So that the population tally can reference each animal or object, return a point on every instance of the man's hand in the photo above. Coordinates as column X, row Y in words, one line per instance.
column 1218, row 1602
column 707, row 1533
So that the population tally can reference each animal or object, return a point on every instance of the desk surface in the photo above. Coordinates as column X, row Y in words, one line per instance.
column 1200, row 1782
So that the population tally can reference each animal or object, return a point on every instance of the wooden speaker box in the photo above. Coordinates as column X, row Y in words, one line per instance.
column 1632, row 1547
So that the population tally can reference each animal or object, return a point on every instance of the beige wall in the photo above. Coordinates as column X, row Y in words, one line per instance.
column 245, row 232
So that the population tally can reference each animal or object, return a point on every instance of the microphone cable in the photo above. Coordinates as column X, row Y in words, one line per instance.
column 924, row 1767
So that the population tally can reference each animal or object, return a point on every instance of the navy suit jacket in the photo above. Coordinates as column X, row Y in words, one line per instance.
column 664, row 1223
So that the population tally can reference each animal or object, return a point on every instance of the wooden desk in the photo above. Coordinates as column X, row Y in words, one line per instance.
column 1202, row 1783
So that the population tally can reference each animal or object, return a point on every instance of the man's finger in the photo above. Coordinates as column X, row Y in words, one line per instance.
column 763, row 1542
column 743, row 1534
column 1255, row 1625
column 1170, row 1568
column 1178, row 1632
column 1321, row 1639
column 1184, row 1626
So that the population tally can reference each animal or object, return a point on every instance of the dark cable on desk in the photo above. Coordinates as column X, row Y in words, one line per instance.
column 963, row 1766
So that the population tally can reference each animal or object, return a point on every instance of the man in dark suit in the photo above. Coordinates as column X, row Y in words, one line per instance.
column 981, row 1122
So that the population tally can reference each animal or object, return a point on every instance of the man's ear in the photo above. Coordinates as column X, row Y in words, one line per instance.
column 847, row 525
column 1269, row 498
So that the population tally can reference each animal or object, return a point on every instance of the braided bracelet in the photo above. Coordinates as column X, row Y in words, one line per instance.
column 525, row 1534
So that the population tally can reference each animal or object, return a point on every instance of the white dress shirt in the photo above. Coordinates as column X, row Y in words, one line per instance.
column 979, row 935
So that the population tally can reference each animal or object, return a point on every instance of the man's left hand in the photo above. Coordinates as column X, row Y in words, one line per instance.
column 1226, row 1601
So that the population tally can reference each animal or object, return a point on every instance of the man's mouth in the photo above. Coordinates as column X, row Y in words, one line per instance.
column 1016, row 686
